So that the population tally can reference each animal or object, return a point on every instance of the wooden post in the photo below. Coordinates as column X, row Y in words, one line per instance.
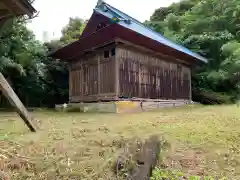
column 117, row 73
column 16, row 103
column 139, row 80
column 190, row 85
column 99, row 78
column 70, row 94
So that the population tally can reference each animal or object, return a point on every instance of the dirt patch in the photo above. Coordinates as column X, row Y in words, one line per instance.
column 188, row 161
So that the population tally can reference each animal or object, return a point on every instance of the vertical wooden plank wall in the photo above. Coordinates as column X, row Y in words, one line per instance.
column 76, row 80
column 145, row 76
column 139, row 75
column 107, row 75
column 92, row 77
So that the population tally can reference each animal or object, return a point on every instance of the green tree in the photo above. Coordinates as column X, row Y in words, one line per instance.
column 20, row 61
column 72, row 30
column 56, row 76
column 211, row 28
column 37, row 79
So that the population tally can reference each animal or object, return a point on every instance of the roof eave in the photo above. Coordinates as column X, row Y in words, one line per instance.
column 19, row 7
column 202, row 59
column 26, row 7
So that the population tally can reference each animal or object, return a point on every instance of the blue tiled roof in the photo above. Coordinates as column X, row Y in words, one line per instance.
column 133, row 24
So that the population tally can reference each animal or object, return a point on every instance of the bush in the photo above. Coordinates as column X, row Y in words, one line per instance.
column 208, row 97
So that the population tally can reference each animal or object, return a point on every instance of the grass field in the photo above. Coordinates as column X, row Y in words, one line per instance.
column 205, row 140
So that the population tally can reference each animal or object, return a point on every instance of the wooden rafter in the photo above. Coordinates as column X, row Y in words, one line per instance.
column 19, row 7
column 4, row 13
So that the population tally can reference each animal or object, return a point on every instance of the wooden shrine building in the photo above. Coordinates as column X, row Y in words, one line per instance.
column 117, row 58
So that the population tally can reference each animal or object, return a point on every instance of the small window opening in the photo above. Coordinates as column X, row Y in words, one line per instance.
column 113, row 52
column 179, row 67
column 106, row 54
column 100, row 26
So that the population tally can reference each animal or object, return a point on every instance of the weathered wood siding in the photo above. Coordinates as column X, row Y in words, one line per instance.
column 143, row 75
column 92, row 78
column 107, row 75
column 128, row 73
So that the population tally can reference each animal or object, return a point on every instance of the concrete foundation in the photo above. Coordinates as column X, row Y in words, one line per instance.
column 120, row 106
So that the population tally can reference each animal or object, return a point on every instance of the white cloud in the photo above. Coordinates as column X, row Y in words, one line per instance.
column 54, row 14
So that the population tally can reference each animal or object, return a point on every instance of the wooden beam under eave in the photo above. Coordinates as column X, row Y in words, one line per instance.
column 25, row 6
column 4, row 13
column 16, row 103
column 19, row 7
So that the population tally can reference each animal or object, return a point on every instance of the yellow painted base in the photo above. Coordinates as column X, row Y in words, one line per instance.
column 124, row 106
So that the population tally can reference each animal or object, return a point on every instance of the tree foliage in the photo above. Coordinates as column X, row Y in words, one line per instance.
column 37, row 79
column 56, row 76
column 20, row 61
column 211, row 28
column 72, row 30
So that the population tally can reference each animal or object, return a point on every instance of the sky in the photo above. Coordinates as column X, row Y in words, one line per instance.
column 54, row 14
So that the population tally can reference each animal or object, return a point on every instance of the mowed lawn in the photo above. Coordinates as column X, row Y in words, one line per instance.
column 204, row 140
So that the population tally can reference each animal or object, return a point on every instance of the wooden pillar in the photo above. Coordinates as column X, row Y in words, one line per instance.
column 81, row 82
column 139, row 79
column 190, row 84
column 16, row 103
column 70, row 84
column 99, row 78
column 171, row 81
column 117, row 72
